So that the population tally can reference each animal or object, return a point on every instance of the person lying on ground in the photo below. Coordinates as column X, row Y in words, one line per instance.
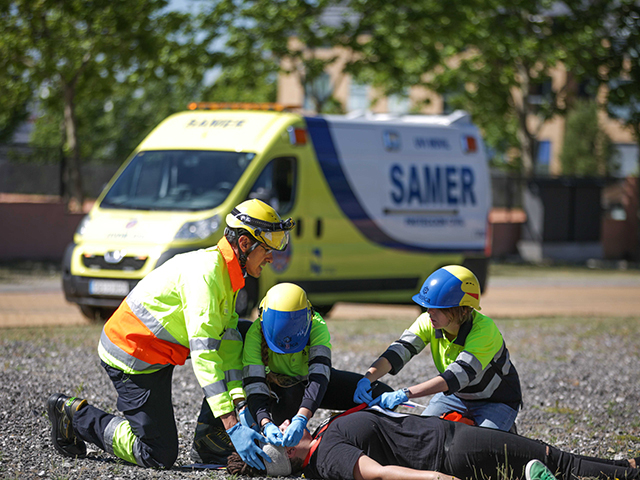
column 372, row 443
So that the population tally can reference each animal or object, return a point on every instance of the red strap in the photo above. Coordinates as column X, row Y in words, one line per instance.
column 313, row 447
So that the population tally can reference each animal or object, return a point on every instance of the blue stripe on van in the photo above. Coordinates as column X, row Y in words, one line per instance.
column 330, row 164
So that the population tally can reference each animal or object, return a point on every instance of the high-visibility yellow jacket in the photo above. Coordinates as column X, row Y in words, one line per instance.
column 186, row 306
column 312, row 365
column 476, row 364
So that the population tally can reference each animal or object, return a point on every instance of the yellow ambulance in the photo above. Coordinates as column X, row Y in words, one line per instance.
column 379, row 202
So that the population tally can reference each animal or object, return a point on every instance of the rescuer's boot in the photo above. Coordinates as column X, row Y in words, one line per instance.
column 211, row 444
column 61, row 410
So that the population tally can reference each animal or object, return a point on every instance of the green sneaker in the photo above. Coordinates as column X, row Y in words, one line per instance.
column 536, row 470
column 61, row 410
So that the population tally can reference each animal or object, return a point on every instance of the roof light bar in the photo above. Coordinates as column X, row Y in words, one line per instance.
column 273, row 107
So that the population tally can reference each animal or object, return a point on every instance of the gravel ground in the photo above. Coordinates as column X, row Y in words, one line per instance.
column 580, row 377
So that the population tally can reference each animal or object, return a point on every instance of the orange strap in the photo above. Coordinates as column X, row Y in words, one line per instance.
column 313, row 447
column 457, row 417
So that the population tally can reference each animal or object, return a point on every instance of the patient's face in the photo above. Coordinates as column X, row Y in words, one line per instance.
column 302, row 449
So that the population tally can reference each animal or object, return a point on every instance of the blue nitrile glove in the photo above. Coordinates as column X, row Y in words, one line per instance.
column 363, row 391
column 243, row 439
column 390, row 400
column 273, row 434
column 247, row 420
column 295, row 430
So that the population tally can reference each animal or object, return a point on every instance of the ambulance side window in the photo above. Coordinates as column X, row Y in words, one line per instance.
column 276, row 184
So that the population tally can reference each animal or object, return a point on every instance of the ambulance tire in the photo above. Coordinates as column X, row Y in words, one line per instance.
column 96, row 314
column 247, row 298
column 323, row 310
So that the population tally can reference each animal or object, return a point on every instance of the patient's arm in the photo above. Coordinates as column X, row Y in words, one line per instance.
column 367, row 468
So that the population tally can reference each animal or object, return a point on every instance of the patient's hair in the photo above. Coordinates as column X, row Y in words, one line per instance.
column 236, row 466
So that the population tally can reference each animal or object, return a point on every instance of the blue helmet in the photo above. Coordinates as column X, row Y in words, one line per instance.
column 450, row 286
column 286, row 318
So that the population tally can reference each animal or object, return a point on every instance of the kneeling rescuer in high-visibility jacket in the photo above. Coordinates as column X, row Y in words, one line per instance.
column 184, row 307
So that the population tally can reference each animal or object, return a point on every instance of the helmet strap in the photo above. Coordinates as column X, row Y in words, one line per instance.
column 244, row 256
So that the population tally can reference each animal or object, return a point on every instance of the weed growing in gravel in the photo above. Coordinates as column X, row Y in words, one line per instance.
column 79, row 389
column 561, row 410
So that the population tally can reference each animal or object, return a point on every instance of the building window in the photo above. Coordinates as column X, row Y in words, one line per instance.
column 543, row 156
column 358, row 97
column 540, row 93
column 398, row 103
column 629, row 106
column 317, row 91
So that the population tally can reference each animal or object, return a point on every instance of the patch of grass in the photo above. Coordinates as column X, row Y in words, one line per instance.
column 627, row 438
column 570, row 413
column 549, row 270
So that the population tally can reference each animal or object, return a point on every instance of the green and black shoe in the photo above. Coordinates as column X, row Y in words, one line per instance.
column 61, row 410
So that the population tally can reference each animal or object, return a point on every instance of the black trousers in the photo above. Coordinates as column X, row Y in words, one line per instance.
column 145, row 401
column 478, row 453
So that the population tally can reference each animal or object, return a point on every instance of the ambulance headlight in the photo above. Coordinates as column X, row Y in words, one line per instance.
column 199, row 229
column 82, row 226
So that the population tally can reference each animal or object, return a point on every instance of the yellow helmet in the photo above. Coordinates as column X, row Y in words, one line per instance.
column 285, row 316
column 263, row 222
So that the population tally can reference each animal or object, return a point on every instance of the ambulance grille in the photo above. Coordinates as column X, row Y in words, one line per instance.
column 98, row 262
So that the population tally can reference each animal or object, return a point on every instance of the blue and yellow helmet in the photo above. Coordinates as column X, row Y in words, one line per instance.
column 285, row 315
column 450, row 286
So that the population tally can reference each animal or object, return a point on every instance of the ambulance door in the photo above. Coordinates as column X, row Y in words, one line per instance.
column 277, row 186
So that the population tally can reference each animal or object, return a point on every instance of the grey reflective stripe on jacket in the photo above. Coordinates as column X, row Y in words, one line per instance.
column 406, row 347
column 129, row 360
column 474, row 383
column 206, row 344
column 215, row 388
column 320, row 361
column 150, row 321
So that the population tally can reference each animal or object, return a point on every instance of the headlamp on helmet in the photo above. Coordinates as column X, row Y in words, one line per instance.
column 263, row 222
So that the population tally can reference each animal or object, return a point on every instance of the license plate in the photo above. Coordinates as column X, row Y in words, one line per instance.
column 116, row 288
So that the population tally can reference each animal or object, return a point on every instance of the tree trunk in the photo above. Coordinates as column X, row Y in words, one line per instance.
column 72, row 151
column 527, row 141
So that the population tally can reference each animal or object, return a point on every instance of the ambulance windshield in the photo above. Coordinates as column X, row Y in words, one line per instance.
column 177, row 180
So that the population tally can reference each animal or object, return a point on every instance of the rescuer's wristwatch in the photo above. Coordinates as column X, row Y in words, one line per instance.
column 407, row 392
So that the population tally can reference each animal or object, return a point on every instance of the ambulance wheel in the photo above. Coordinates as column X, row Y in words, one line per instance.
column 96, row 314
column 247, row 298
column 323, row 310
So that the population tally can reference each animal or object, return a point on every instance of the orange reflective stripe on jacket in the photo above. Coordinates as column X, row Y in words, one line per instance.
column 127, row 332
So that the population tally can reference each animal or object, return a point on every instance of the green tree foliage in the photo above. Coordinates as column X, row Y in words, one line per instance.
column 624, row 66
column 491, row 54
column 237, row 84
column 82, row 54
column 267, row 37
column 587, row 149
